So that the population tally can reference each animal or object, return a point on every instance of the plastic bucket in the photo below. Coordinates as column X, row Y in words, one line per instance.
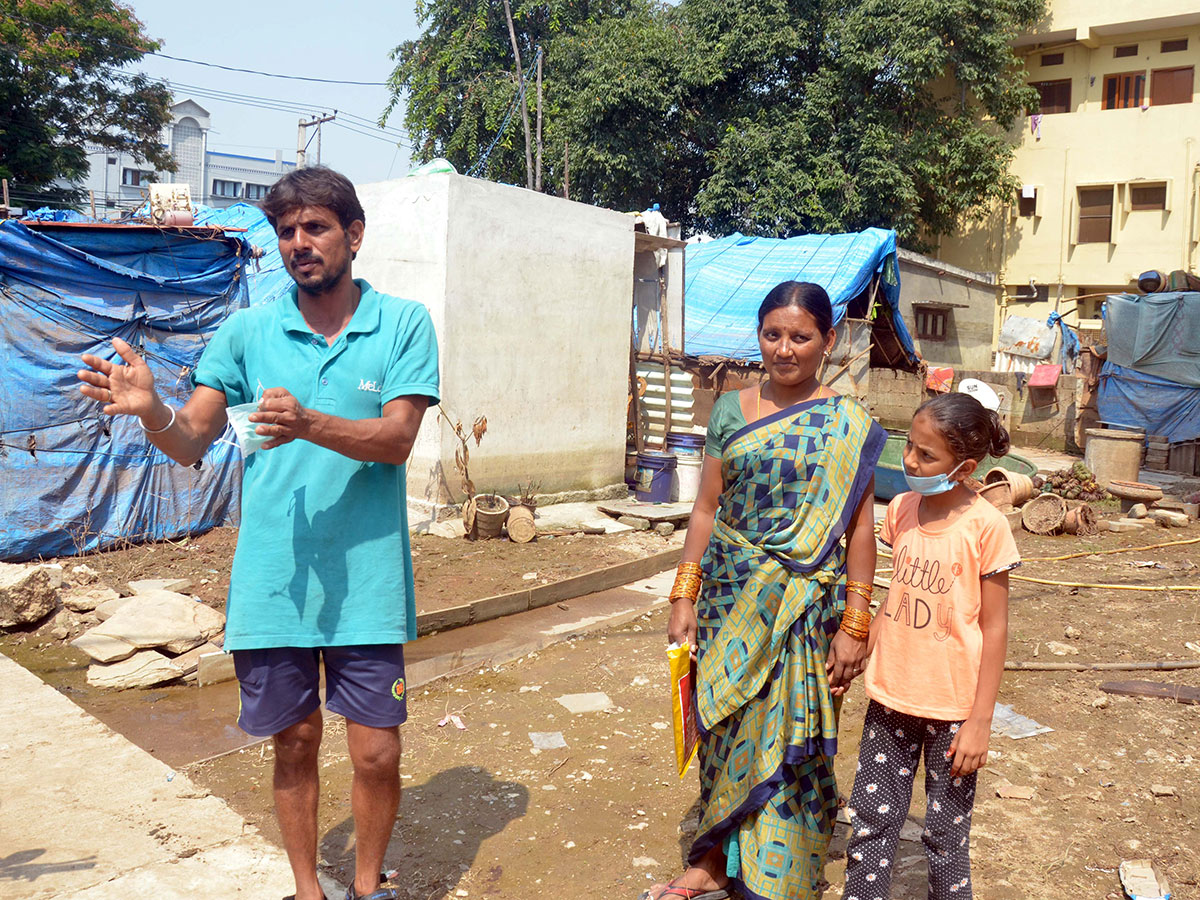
column 631, row 467
column 685, row 484
column 685, row 444
column 654, row 471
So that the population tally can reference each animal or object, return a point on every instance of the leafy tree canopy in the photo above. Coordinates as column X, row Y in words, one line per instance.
column 61, row 89
column 770, row 117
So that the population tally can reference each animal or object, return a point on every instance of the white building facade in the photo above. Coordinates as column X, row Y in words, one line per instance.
column 118, row 182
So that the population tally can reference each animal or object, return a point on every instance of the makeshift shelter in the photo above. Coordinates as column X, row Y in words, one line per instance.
column 71, row 478
column 1151, row 378
column 728, row 278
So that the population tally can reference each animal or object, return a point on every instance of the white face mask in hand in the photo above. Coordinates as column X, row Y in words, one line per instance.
column 248, row 438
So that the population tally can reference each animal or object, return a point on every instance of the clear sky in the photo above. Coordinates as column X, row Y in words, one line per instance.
column 348, row 40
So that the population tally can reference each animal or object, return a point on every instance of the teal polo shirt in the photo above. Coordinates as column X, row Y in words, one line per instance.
column 322, row 555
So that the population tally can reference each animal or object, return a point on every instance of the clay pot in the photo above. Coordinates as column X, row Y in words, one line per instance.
column 1020, row 485
column 521, row 527
column 998, row 493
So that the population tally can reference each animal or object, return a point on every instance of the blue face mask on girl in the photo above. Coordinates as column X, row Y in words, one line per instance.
column 929, row 485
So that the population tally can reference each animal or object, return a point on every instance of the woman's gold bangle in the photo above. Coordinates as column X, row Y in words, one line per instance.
column 861, row 585
column 862, row 592
column 687, row 582
column 856, row 633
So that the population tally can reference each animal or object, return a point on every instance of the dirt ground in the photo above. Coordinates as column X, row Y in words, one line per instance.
column 485, row 816
column 448, row 572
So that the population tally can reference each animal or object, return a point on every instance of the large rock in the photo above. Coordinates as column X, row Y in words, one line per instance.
column 87, row 599
column 106, row 609
column 102, row 647
column 27, row 593
column 141, row 670
column 164, row 619
column 145, row 585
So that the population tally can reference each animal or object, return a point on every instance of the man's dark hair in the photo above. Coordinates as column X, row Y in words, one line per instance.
column 314, row 186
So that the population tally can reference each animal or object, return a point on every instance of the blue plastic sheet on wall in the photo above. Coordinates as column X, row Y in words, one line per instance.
column 1162, row 407
column 728, row 278
column 71, row 479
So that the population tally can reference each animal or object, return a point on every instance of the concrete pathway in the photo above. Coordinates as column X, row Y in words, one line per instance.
column 86, row 814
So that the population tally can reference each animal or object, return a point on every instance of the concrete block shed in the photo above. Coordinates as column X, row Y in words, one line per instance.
column 530, row 297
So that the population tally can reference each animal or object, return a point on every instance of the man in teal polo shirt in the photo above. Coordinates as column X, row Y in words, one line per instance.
column 342, row 376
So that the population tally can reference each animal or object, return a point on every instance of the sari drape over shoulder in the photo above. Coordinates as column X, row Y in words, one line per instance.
column 773, row 595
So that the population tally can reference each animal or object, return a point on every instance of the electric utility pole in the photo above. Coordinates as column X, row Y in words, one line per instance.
column 301, row 135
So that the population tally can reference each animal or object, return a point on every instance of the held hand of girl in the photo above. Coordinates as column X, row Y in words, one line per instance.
column 847, row 660
column 969, row 749
column 682, row 625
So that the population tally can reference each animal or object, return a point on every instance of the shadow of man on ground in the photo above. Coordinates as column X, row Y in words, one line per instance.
column 438, row 833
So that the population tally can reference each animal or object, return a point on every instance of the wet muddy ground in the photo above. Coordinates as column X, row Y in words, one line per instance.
column 485, row 816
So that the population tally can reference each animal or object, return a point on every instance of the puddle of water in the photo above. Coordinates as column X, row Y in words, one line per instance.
column 177, row 724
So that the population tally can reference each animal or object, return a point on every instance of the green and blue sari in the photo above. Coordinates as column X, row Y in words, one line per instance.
column 772, row 599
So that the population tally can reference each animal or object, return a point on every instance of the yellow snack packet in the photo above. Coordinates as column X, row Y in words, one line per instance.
column 683, row 705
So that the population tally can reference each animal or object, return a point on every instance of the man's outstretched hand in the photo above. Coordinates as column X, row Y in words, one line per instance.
column 125, row 390
column 281, row 416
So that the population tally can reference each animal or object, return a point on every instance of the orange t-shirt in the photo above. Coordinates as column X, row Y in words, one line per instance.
column 927, row 653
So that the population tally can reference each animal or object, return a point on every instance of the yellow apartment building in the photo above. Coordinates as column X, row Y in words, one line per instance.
column 1109, row 168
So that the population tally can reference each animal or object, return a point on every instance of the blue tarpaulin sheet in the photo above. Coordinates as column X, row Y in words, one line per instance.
column 728, row 278
column 1156, row 334
column 71, row 479
column 266, row 277
column 1162, row 407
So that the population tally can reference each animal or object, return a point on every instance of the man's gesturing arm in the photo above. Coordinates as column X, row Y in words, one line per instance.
column 128, row 390
column 388, row 439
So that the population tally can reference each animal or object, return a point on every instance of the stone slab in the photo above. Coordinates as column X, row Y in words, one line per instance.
column 166, row 619
column 675, row 513
column 90, row 816
column 87, row 599
column 213, row 668
column 145, row 668
column 103, row 648
column 189, row 662
column 596, row 701
column 145, row 585
column 106, row 609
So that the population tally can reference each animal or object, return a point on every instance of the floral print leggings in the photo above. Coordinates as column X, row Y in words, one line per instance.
column 887, row 760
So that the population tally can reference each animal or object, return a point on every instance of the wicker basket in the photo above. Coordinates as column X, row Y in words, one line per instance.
column 1044, row 514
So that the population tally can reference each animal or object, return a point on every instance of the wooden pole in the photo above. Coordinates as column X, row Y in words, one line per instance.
column 512, row 34
column 5, row 184
column 566, row 170
column 663, row 315
column 537, row 177
column 92, row 198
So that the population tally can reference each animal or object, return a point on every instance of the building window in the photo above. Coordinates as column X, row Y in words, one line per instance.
column 226, row 188
column 931, row 323
column 136, row 177
column 112, row 160
column 256, row 191
column 1147, row 196
column 1055, row 96
column 1095, row 215
column 1027, row 204
column 1124, row 90
column 1125, row 50
column 1052, row 59
column 1174, row 46
column 1169, row 86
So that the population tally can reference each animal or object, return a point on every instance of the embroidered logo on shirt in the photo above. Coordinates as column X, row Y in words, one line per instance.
column 373, row 386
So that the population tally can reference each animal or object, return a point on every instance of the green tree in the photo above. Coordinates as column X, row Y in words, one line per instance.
column 61, row 89
column 769, row 117
column 457, row 82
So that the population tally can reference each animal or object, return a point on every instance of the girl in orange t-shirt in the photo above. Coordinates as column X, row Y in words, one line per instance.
column 937, row 653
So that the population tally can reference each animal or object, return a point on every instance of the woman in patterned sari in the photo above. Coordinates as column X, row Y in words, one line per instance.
column 787, row 474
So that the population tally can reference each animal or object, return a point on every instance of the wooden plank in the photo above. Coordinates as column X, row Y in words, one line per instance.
column 1180, row 693
column 643, row 242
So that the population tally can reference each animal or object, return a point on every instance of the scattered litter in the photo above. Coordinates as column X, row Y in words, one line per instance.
column 1193, row 646
column 529, row 688
column 1060, row 649
column 458, row 722
column 529, row 576
column 581, row 703
column 570, row 845
column 170, row 776
column 1146, row 564
column 638, row 827
column 1101, row 702
column 642, row 680
column 1007, row 791
column 547, row 740
column 659, row 726
column 645, row 862
column 1143, row 881
column 1008, row 723
column 1162, row 790
column 460, row 893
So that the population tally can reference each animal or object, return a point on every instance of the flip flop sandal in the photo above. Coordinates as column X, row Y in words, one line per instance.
column 381, row 894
